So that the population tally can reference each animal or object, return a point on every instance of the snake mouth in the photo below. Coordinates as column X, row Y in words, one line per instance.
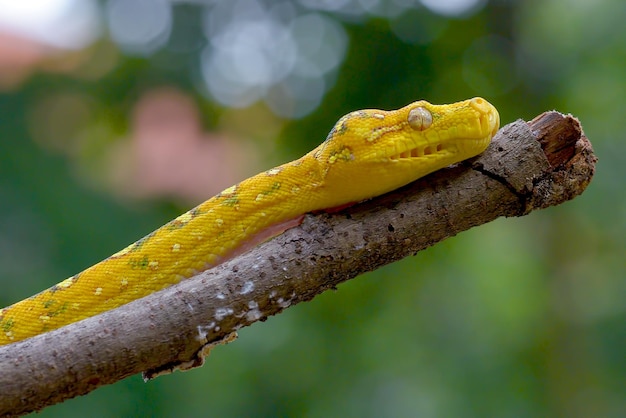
column 418, row 152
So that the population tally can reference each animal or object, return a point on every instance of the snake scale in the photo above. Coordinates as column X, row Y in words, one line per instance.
column 367, row 153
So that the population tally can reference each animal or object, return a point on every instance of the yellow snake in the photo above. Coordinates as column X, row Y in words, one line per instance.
column 367, row 153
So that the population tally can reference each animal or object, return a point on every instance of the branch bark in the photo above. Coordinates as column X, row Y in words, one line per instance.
column 528, row 166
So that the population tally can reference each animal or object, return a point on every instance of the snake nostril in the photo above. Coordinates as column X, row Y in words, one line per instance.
column 479, row 104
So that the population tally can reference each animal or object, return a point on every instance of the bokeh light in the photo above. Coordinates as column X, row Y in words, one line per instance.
column 285, row 54
column 139, row 26
column 275, row 54
column 68, row 24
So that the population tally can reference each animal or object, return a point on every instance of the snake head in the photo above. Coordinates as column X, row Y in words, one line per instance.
column 370, row 152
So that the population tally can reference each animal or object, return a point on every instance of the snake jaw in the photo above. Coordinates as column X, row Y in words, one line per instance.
column 417, row 152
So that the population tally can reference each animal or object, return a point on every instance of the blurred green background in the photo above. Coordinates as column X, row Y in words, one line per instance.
column 116, row 116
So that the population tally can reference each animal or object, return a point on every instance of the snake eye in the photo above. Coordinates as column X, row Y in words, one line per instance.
column 419, row 118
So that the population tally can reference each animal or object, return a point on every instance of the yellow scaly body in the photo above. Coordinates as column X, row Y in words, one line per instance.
column 367, row 153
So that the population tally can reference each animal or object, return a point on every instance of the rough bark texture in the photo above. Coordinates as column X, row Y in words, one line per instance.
column 528, row 166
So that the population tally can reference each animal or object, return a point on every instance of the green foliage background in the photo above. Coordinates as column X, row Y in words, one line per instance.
column 518, row 318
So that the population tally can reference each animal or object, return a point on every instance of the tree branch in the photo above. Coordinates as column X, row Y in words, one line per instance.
column 528, row 166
